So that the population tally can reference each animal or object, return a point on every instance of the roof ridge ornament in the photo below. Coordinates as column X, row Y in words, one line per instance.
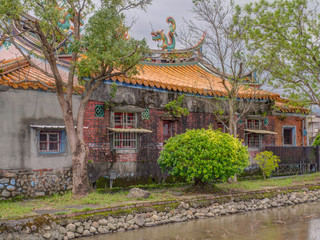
column 168, row 43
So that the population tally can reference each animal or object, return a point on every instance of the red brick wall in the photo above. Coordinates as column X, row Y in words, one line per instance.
column 149, row 146
column 289, row 121
column 95, row 133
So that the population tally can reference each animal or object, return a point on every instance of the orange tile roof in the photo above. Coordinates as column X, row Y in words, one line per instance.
column 189, row 78
column 18, row 73
column 284, row 107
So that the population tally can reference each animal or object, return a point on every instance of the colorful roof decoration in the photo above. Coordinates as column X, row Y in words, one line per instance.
column 169, row 42
column 177, row 55
column 18, row 73
column 284, row 107
column 192, row 78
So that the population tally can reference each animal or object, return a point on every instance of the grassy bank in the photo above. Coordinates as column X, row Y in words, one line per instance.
column 60, row 204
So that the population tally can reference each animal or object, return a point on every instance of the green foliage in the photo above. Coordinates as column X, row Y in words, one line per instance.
column 316, row 141
column 267, row 162
column 107, row 47
column 175, row 107
column 285, row 35
column 113, row 91
column 204, row 155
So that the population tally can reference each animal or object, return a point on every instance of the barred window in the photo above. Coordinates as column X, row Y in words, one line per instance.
column 124, row 120
column 253, row 140
column 49, row 142
column 125, row 140
column 253, row 124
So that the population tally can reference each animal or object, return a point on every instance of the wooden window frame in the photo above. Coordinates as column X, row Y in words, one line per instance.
column 47, row 142
column 253, row 140
column 170, row 130
column 293, row 135
column 124, row 140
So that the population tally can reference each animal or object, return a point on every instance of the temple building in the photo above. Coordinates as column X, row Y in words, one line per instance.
column 125, row 134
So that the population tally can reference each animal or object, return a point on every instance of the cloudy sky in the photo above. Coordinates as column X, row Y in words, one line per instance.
column 157, row 14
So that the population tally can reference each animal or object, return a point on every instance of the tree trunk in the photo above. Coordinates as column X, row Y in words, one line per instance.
column 79, row 170
column 232, row 119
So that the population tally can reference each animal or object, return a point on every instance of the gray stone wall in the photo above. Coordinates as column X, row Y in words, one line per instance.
column 157, row 98
column 30, row 183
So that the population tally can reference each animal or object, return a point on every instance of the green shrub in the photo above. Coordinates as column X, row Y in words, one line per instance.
column 316, row 141
column 204, row 155
column 175, row 107
column 267, row 162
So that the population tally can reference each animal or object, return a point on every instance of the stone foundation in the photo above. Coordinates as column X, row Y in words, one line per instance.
column 34, row 183
column 125, row 218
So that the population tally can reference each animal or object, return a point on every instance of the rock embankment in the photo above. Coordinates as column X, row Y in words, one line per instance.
column 110, row 222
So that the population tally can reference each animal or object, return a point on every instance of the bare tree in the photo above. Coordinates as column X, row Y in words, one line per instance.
column 105, row 53
column 226, row 55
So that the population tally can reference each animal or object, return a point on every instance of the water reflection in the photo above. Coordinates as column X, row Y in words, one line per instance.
column 300, row 222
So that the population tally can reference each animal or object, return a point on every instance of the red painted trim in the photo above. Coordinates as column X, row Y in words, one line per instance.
column 43, row 170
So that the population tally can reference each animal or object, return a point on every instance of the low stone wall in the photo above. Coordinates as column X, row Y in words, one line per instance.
column 33, row 183
column 119, row 219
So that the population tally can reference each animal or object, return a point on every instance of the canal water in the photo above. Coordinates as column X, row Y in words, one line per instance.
column 299, row 222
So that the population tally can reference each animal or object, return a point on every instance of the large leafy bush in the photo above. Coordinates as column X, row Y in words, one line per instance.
column 204, row 155
column 267, row 162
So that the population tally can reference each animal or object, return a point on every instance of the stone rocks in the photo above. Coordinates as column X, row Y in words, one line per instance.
column 140, row 222
column 103, row 222
column 86, row 233
column 29, row 183
column 92, row 229
column 70, row 235
column 47, row 235
column 79, row 230
column 95, row 224
column 184, row 205
column 5, row 194
column 138, row 193
column 69, row 228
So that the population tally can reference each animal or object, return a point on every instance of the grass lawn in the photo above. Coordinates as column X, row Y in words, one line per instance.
column 60, row 204
column 273, row 182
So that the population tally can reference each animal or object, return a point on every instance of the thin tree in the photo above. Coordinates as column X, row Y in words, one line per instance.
column 100, row 51
column 226, row 55
column 287, row 34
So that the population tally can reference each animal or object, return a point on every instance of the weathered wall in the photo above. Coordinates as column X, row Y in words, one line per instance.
column 18, row 142
column 34, row 183
column 157, row 99
column 143, row 161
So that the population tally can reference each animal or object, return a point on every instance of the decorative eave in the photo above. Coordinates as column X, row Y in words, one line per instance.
column 260, row 131
column 129, row 130
column 190, row 78
column 18, row 73
column 283, row 107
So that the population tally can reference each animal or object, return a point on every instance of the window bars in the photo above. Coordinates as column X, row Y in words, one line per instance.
column 125, row 140
column 49, row 142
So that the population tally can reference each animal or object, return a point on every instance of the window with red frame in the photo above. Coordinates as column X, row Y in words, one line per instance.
column 167, row 130
column 253, row 140
column 253, row 124
column 50, row 142
column 125, row 140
